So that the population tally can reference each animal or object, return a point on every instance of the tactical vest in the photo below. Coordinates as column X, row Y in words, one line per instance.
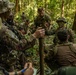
column 68, row 44
column 54, row 65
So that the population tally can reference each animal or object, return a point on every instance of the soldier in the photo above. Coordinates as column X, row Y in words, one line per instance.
column 61, row 25
column 25, row 25
column 10, row 19
column 23, row 17
column 9, row 42
column 42, row 20
column 63, row 54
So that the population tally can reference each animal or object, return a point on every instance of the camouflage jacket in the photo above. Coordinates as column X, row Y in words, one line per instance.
column 10, row 44
column 40, row 21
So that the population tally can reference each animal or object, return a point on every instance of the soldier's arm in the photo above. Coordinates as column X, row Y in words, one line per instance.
column 30, row 41
column 12, row 41
column 48, row 19
column 71, row 35
column 28, row 70
column 50, row 32
column 48, row 50
column 27, row 42
column 8, row 38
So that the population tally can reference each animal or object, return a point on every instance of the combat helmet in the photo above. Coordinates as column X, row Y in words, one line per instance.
column 61, row 19
column 40, row 9
column 5, row 5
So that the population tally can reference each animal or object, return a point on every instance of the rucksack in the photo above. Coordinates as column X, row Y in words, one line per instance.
column 54, row 63
column 68, row 44
column 70, row 70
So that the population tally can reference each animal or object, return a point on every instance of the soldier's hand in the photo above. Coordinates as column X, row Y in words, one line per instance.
column 39, row 33
column 29, row 70
column 46, row 25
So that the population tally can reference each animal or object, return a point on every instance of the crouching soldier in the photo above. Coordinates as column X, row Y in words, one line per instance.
column 63, row 54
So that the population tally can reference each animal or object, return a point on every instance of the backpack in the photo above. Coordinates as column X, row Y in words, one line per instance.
column 68, row 44
column 54, row 64
column 63, row 70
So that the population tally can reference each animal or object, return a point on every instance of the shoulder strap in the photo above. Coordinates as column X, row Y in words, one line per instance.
column 72, row 48
column 68, row 44
column 55, row 50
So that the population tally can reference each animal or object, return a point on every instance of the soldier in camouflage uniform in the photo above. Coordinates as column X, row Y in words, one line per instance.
column 9, row 42
column 42, row 20
column 23, row 17
column 10, row 19
column 63, row 54
column 25, row 25
column 61, row 23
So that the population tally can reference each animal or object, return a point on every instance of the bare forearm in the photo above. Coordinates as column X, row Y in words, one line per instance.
column 14, row 73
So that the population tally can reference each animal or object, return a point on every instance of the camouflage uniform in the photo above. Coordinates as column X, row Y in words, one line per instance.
column 21, row 55
column 41, row 20
column 6, row 46
column 24, row 26
column 70, row 32
column 10, row 20
column 9, row 43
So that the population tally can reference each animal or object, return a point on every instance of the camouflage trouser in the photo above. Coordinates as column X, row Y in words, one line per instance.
column 21, row 60
column 8, row 61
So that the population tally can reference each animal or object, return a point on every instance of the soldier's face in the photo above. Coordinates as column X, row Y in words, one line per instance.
column 5, row 15
column 61, row 24
column 41, row 13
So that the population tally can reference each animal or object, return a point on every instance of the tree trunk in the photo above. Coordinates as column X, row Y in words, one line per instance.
column 74, row 23
column 41, row 52
column 17, row 6
column 62, row 9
